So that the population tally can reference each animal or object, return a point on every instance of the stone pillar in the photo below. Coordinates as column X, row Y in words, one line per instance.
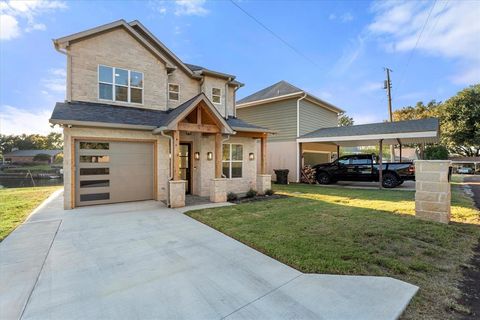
column 218, row 190
column 176, row 193
column 433, row 195
column 264, row 182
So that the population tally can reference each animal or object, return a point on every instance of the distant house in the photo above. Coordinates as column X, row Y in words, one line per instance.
column 27, row 156
column 291, row 112
column 466, row 162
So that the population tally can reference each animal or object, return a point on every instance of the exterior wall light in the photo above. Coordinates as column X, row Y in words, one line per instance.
column 196, row 155
column 251, row 156
column 209, row 155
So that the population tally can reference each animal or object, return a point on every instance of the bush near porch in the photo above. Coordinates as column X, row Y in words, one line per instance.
column 362, row 232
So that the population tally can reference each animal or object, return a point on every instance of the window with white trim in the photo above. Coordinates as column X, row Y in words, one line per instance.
column 173, row 91
column 217, row 95
column 232, row 160
column 116, row 84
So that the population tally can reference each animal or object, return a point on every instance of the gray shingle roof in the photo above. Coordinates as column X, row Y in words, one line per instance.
column 65, row 112
column 239, row 123
column 106, row 113
column 276, row 90
column 32, row 153
column 430, row 124
column 194, row 67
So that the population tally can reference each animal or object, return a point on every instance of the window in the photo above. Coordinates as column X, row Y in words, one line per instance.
column 94, row 171
column 94, row 183
column 358, row 160
column 95, row 196
column 95, row 159
column 94, row 145
column 344, row 161
column 232, row 160
column 117, row 84
column 216, row 95
column 173, row 91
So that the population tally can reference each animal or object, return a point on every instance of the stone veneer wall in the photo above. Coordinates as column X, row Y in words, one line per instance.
column 433, row 192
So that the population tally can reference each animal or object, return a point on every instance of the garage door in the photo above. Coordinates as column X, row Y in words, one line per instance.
column 110, row 172
column 313, row 158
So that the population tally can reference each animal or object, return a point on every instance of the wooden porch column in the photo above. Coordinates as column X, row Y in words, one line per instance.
column 175, row 152
column 263, row 155
column 380, row 162
column 218, row 155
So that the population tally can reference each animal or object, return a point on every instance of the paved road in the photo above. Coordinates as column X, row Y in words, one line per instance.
column 143, row 261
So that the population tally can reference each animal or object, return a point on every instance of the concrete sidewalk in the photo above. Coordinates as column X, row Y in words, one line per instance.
column 142, row 260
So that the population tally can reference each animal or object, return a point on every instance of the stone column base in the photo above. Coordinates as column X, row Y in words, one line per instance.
column 218, row 190
column 176, row 193
column 432, row 195
column 264, row 183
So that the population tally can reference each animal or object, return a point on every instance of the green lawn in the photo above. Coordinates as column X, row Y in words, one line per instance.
column 17, row 203
column 363, row 232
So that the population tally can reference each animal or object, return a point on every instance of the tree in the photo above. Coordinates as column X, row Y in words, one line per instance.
column 461, row 122
column 437, row 152
column 344, row 120
column 420, row 111
column 33, row 141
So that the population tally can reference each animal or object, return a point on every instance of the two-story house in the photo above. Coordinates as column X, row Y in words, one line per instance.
column 140, row 124
column 291, row 112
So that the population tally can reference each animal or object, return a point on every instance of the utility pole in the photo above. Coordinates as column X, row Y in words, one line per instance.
column 388, row 86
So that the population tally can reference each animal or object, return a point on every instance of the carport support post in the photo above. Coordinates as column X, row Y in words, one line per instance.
column 338, row 151
column 380, row 162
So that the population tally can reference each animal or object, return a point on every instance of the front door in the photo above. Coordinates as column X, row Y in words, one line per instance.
column 185, row 158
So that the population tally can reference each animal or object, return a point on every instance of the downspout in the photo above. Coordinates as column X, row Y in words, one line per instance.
column 68, row 92
column 298, row 135
column 226, row 97
column 223, row 141
column 235, row 101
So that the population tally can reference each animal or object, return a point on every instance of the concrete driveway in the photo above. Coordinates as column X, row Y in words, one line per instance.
column 144, row 261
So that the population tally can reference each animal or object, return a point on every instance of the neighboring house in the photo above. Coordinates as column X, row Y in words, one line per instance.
column 291, row 112
column 141, row 124
column 27, row 156
column 466, row 162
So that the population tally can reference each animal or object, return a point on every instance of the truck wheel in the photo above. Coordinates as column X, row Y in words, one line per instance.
column 390, row 180
column 324, row 178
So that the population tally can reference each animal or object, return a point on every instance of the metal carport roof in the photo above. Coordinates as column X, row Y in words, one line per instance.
column 392, row 133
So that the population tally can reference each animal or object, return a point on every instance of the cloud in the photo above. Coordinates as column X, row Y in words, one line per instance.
column 8, row 27
column 452, row 32
column 179, row 7
column 350, row 55
column 17, row 121
column 345, row 17
column 371, row 86
column 190, row 8
column 55, row 83
column 17, row 16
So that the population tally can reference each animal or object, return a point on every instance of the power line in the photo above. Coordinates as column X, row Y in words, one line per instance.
column 275, row 34
column 416, row 44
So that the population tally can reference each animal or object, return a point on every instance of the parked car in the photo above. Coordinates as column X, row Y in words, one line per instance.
column 364, row 167
column 465, row 170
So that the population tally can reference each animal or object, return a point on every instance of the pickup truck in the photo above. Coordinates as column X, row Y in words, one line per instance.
column 364, row 167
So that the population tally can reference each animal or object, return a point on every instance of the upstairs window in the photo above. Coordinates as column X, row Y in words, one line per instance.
column 173, row 91
column 217, row 95
column 116, row 84
column 232, row 161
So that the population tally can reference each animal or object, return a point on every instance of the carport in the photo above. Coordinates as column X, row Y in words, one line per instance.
column 420, row 132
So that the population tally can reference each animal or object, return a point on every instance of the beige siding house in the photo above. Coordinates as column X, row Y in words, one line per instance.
column 140, row 124
column 291, row 112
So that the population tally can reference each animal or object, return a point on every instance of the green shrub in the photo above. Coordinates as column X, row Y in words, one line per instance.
column 42, row 157
column 231, row 196
column 269, row 192
column 251, row 193
column 437, row 152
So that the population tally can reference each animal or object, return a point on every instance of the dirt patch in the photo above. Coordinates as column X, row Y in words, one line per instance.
column 259, row 198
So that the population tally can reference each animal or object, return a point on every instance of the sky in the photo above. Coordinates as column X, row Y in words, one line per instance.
column 336, row 50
